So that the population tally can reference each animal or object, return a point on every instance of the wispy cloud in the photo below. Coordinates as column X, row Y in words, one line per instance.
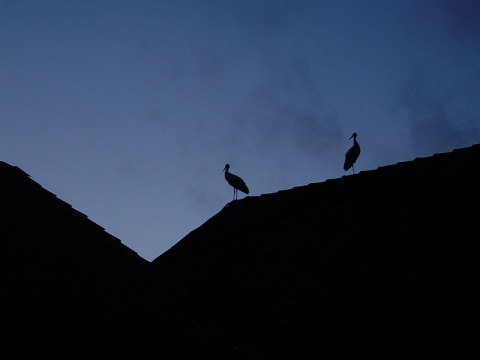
column 434, row 118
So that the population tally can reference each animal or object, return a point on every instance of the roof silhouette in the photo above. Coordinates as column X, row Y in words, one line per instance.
column 380, row 264
column 388, row 253
column 69, row 285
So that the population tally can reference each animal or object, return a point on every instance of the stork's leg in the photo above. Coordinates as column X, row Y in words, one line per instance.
column 353, row 167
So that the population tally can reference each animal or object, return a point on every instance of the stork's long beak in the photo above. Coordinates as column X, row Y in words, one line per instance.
column 350, row 137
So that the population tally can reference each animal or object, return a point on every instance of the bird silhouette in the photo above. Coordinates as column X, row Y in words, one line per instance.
column 352, row 154
column 235, row 181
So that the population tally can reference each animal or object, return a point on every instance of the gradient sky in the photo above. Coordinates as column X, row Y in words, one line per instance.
column 129, row 110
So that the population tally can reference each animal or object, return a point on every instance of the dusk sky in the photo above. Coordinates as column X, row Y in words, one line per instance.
column 129, row 110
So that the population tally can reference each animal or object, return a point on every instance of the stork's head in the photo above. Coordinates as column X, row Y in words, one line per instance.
column 227, row 166
column 354, row 135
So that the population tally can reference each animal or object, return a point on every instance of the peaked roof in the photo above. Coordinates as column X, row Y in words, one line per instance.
column 65, row 281
column 381, row 263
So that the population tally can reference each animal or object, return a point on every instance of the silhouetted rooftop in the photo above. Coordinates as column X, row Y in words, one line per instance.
column 70, row 286
column 382, row 264
column 388, row 252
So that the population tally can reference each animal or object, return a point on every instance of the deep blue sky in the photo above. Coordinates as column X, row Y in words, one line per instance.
column 129, row 110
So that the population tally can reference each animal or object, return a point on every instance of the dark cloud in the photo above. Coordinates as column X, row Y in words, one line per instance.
column 435, row 121
column 463, row 17
column 271, row 16
column 313, row 133
column 288, row 109
column 270, row 124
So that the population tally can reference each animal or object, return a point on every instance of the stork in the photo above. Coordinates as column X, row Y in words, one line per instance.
column 235, row 181
column 352, row 154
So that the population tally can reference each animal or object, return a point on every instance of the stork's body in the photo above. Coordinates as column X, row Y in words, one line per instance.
column 235, row 181
column 352, row 154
